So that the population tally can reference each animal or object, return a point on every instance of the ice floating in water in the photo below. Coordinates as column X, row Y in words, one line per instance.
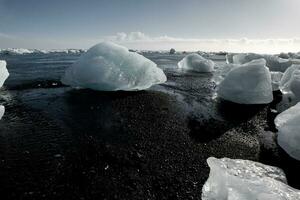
column 110, row 67
column 288, row 125
column 3, row 72
column 273, row 62
column 197, row 63
column 231, row 179
column 2, row 110
column 276, row 78
column 249, row 83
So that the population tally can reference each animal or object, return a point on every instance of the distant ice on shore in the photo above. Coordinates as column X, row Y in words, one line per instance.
column 196, row 63
column 21, row 51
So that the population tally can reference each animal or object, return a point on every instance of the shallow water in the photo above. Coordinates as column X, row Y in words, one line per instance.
column 57, row 142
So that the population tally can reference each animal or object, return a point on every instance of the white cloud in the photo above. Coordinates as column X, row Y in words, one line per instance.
column 139, row 40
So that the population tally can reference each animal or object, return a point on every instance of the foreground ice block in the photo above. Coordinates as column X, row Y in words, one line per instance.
column 3, row 72
column 273, row 62
column 197, row 63
column 2, row 111
column 111, row 67
column 234, row 179
column 288, row 125
column 249, row 83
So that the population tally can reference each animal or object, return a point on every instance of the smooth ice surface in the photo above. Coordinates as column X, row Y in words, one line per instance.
column 249, row 83
column 111, row 67
column 197, row 63
column 2, row 110
column 273, row 62
column 276, row 78
column 3, row 72
column 234, row 179
column 288, row 125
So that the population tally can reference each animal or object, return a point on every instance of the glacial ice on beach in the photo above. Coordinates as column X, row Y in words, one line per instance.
column 221, row 71
column 235, row 179
column 288, row 125
column 249, row 83
column 229, row 58
column 2, row 110
column 3, row 72
column 290, row 82
column 197, row 63
column 276, row 78
column 111, row 67
column 274, row 63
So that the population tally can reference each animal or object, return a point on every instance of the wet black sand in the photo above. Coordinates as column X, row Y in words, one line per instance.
column 122, row 145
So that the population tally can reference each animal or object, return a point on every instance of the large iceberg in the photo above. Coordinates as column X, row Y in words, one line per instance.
column 234, row 179
column 3, row 72
column 288, row 125
column 249, row 83
column 111, row 67
column 274, row 63
column 197, row 63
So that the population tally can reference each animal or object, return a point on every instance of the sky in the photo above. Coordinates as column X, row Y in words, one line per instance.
column 209, row 25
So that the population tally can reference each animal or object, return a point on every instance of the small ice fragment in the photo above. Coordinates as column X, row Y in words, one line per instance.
column 197, row 63
column 3, row 72
column 276, row 78
column 2, row 111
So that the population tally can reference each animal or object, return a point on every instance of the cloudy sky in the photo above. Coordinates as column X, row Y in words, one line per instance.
column 210, row 25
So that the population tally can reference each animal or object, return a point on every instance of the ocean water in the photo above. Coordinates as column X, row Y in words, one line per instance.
column 56, row 141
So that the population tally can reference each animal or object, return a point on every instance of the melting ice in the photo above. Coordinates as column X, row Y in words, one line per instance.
column 110, row 67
